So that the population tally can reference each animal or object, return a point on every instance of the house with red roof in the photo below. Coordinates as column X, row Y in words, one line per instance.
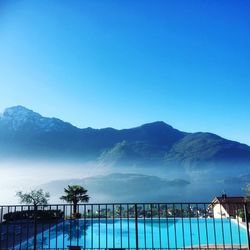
column 227, row 206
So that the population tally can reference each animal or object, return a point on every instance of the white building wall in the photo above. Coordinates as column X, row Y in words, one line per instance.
column 219, row 211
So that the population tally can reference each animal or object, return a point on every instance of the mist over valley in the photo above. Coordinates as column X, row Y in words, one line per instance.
column 152, row 162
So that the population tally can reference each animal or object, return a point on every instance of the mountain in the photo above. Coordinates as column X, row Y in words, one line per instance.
column 202, row 149
column 26, row 134
column 25, row 120
column 120, row 187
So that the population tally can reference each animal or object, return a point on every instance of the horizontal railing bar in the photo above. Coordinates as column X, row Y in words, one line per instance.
column 130, row 203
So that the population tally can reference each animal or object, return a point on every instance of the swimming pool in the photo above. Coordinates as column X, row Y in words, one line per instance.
column 152, row 233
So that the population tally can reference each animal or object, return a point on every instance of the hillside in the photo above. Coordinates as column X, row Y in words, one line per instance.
column 26, row 134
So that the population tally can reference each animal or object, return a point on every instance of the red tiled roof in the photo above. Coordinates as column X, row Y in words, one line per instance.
column 233, row 199
column 231, row 204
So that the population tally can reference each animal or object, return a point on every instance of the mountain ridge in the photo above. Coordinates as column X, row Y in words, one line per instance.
column 25, row 133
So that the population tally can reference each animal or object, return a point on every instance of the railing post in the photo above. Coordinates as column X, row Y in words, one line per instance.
column 35, row 226
column 1, row 220
column 247, row 225
column 136, row 228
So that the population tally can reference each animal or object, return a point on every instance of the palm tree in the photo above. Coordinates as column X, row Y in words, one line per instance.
column 75, row 194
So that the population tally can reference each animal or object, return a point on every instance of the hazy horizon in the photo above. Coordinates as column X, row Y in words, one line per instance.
column 160, row 185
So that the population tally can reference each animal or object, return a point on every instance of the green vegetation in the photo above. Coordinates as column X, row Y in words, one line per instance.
column 34, row 197
column 44, row 215
column 75, row 194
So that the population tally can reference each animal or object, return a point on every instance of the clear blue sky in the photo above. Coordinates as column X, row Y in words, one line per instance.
column 118, row 63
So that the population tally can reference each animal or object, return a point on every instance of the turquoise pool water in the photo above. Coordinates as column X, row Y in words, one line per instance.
column 164, row 233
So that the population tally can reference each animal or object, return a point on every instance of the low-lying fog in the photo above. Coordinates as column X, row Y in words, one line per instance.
column 107, row 184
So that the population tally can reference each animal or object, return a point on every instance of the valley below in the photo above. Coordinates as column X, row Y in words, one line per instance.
column 109, row 184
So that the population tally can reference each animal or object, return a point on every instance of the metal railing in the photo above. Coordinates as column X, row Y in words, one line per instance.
column 126, row 226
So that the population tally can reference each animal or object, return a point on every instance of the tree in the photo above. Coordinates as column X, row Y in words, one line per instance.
column 75, row 194
column 34, row 197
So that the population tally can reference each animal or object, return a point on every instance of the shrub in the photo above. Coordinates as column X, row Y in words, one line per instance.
column 29, row 215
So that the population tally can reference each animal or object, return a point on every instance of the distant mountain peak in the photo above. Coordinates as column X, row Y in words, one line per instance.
column 18, row 108
column 157, row 124
column 20, row 117
column 19, row 112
